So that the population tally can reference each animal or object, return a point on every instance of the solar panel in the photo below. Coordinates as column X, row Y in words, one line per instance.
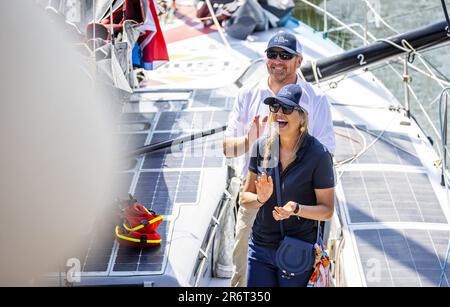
column 187, row 121
column 160, row 190
column 142, row 260
column 160, row 180
column 390, row 148
column 212, row 98
column 381, row 196
column 100, row 249
column 403, row 257
column 204, row 152
column 100, row 242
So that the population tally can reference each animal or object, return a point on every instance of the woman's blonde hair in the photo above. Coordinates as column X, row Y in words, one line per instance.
column 273, row 135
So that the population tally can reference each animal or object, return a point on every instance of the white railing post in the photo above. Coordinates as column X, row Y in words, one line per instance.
column 407, row 81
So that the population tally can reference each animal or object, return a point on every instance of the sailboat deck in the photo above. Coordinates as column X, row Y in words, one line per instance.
column 391, row 200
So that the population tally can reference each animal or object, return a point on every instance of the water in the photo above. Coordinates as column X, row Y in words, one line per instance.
column 402, row 15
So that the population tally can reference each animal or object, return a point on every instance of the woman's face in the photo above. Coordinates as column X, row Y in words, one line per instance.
column 289, row 125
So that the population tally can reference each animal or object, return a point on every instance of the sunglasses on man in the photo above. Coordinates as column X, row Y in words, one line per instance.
column 287, row 110
column 284, row 56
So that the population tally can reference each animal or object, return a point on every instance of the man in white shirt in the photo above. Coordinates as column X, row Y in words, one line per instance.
column 248, row 119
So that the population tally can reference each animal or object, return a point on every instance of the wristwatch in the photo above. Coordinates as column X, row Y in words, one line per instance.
column 297, row 208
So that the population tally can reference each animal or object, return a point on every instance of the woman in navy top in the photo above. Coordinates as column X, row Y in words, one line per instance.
column 307, row 188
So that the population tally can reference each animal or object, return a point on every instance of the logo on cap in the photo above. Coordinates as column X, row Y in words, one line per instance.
column 280, row 40
column 285, row 92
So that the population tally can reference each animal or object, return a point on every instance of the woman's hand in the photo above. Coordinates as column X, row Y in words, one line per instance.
column 282, row 213
column 264, row 187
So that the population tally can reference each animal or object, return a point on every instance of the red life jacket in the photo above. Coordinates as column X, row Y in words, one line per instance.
column 137, row 239
column 138, row 218
column 139, row 225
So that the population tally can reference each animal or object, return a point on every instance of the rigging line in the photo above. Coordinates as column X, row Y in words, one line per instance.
column 421, row 106
column 366, row 147
column 216, row 22
column 380, row 18
column 444, row 8
column 415, row 97
column 436, row 69
column 406, row 47
column 406, row 44
column 389, row 17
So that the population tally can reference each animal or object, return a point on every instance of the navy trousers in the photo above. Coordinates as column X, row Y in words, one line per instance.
column 263, row 272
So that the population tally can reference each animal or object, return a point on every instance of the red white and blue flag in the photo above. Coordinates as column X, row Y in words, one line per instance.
column 151, row 42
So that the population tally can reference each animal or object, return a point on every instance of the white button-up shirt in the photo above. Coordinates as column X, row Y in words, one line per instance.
column 249, row 103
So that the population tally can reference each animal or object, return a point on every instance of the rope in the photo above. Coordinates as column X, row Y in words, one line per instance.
column 380, row 18
column 314, row 68
column 216, row 22
column 406, row 47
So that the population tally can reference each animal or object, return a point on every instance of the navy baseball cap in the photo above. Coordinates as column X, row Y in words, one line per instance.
column 289, row 95
column 285, row 41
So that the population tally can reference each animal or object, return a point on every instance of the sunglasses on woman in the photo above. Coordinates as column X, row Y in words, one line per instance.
column 284, row 56
column 287, row 110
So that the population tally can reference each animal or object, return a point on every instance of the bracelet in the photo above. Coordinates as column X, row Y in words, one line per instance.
column 259, row 201
column 298, row 209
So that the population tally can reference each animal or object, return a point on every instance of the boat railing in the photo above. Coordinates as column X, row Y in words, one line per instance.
column 443, row 123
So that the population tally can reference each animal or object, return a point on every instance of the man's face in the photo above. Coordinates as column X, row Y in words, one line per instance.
column 280, row 69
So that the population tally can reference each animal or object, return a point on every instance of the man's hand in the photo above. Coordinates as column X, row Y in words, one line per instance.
column 236, row 146
column 256, row 129
column 282, row 213
column 264, row 187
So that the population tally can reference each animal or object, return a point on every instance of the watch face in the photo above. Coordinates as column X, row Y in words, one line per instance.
column 297, row 206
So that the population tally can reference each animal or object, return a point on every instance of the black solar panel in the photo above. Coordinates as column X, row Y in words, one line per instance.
column 403, row 257
column 162, row 180
column 160, row 190
column 130, row 259
column 390, row 148
column 379, row 196
column 204, row 152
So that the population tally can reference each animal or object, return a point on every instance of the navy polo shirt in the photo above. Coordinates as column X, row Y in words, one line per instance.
column 311, row 169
